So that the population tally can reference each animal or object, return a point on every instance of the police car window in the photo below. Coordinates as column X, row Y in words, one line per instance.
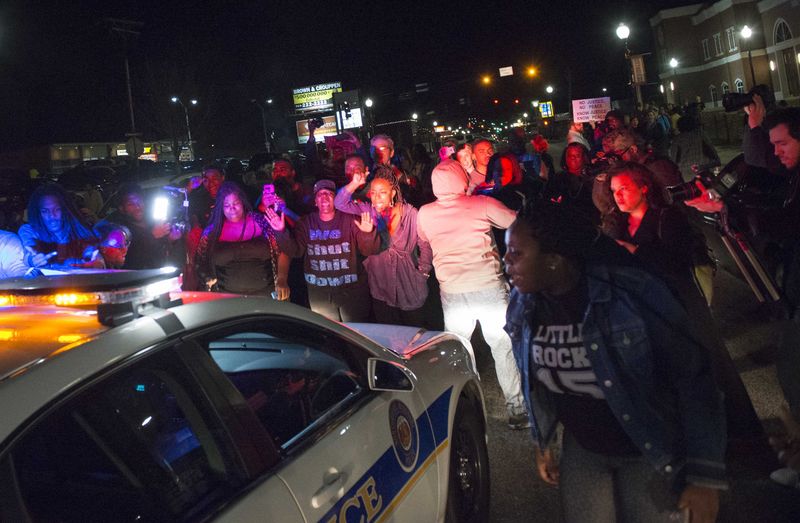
column 142, row 445
column 292, row 378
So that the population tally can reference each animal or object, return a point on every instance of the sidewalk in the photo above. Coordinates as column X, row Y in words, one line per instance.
column 727, row 153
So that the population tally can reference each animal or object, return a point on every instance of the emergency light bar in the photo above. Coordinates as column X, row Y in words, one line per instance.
column 117, row 295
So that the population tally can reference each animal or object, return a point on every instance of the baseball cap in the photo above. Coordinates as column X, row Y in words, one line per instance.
column 327, row 185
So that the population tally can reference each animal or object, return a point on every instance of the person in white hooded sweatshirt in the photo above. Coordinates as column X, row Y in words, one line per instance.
column 467, row 263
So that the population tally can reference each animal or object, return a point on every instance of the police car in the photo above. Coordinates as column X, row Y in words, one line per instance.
column 123, row 399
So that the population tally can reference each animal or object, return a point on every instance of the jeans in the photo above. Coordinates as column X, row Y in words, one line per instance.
column 595, row 488
column 389, row 315
column 341, row 304
column 463, row 310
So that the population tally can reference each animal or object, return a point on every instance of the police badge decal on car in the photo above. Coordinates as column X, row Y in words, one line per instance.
column 405, row 435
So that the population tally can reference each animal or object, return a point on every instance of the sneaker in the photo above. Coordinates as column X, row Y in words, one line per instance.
column 786, row 477
column 519, row 421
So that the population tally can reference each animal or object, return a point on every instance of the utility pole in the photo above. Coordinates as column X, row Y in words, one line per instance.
column 126, row 30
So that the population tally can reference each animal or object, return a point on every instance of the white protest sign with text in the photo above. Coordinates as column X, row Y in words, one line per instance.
column 590, row 109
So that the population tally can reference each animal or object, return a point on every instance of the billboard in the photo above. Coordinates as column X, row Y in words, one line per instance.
column 315, row 97
column 353, row 122
column 329, row 129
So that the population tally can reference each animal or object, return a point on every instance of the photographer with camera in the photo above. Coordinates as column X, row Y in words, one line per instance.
column 755, row 138
column 779, row 220
column 153, row 244
column 623, row 145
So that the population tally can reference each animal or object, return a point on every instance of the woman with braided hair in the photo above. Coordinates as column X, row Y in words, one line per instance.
column 238, row 252
column 56, row 236
column 398, row 274
column 604, row 349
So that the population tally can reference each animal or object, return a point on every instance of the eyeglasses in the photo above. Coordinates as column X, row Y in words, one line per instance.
column 622, row 152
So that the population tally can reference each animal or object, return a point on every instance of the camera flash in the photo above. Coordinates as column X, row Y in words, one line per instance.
column 160, row 207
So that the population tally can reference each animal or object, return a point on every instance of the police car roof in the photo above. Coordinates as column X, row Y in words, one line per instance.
column 87, row 281
column 29, row 335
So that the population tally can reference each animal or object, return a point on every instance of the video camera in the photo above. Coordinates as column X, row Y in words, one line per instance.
column 165, row 209
column 734, row 101
column 603, row 162
column 720, row 182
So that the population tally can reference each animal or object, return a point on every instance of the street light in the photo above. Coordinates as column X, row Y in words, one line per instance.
column 673, row 63
column 370, row 122
column 193, row 101
column 746, row 33
column 531, row 71
column 623, row 31
column 549, row 89
column 267, row 145
column 414, row 116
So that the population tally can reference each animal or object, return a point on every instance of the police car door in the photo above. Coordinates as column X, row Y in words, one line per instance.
column 350, row 453
column 375, row 464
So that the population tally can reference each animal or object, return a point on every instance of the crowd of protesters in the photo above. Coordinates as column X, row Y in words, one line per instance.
column 592, row 290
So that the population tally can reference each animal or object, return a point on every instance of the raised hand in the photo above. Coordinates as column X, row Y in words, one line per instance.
column 359, row 179
column 276, row 220
column 37, row 259
column 365, row 225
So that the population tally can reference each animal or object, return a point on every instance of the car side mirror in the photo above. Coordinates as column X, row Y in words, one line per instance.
column 389, row 376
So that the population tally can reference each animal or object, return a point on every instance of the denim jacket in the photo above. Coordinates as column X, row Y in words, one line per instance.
column 655, row 376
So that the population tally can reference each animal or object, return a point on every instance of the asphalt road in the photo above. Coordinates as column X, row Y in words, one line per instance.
column 519, row 495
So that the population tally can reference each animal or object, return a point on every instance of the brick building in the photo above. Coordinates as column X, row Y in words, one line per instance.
column 713, row 57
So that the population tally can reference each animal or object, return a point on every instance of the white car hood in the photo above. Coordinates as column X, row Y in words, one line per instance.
column 399, row 339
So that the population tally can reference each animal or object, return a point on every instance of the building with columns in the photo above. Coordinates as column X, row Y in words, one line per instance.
column 713, row 55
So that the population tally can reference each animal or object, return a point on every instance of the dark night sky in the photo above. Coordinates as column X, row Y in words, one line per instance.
column 62, row 73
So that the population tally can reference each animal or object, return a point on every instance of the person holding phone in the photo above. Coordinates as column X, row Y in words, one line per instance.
column 238, row 252
column 331, row 245
column 398, row 275
column 154, row 240
column 56, row 237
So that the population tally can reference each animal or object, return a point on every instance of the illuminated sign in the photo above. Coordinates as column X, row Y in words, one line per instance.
column 590, row 109
column 328, row 129
column 506, row 71
column 315, row 97
column 546, row 108
column 353, row 122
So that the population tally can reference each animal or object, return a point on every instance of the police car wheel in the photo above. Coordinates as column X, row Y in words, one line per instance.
column 468, row 488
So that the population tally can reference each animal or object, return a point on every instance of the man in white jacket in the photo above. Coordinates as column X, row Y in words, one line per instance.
column 459, row 230
column 12, row 256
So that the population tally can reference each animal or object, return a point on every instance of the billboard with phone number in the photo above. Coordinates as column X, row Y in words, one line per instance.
column 315, row 97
